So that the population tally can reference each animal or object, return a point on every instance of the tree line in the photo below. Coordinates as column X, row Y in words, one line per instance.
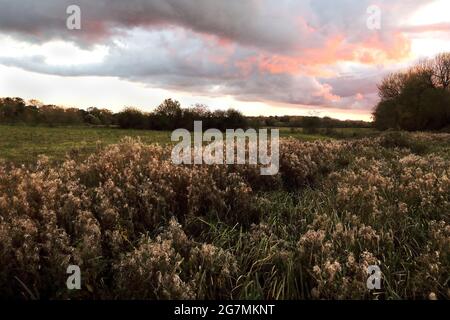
column 416, row 99
column 169, row 115
column 308, row 122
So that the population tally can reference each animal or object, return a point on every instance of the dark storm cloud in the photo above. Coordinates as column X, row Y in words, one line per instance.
column 253, row 50
column 253, row 22
column 275, row 25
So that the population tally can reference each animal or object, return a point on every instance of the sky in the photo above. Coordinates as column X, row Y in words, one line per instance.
column 262, row 57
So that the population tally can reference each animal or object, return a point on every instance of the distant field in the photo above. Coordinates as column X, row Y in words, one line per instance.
column 23, row 144
column 327, row 133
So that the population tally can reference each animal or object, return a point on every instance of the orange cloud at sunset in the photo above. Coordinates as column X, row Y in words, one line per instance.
column 317, row 54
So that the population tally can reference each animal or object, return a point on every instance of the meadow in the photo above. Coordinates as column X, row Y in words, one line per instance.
column 23, row 144
column 141, row 227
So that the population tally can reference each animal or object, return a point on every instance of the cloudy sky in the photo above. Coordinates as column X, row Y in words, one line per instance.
column 263, row 57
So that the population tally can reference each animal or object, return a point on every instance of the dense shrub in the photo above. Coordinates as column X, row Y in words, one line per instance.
column 398, row 139
column 141, row 227
column 418, row 99
column 169, row 115
column 131, row 118
column 15, row 110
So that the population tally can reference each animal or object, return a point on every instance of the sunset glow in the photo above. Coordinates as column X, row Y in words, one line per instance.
column 291, row 58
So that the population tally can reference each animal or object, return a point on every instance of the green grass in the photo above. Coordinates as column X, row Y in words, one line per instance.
column 334, row 133
column 23, row 144
column 298, row 133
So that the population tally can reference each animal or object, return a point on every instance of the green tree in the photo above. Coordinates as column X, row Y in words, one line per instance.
column 418, row 99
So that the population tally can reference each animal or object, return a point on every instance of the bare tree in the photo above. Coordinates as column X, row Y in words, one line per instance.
column 441, row 70
column 392, row 86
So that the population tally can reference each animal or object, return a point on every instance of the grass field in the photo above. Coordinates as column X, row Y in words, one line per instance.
column 141, row 227
column 23, row 144
column 322, row 133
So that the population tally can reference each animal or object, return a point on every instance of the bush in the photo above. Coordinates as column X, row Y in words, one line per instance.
column 398, row 139
column 141, row 227
column 132, row 118
column 418, row 99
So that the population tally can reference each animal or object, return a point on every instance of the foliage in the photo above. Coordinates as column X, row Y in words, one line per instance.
column 167, row 116
column 141, row 227
column 418, row 99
